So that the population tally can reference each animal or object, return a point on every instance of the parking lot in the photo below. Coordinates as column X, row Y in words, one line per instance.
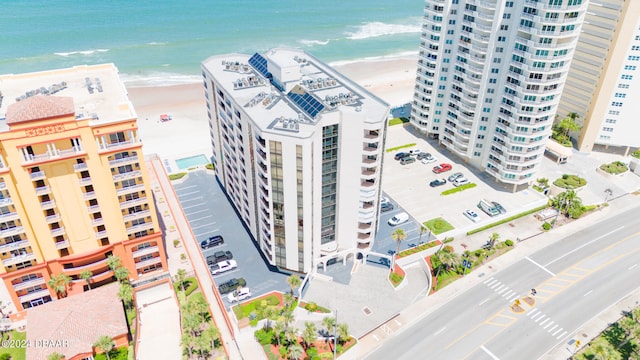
column 409, row 185
column 209, row 213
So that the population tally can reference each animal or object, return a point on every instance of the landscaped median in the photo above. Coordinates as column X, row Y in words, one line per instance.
column 458, row 189
column 398, row 121
column 400, row 147
column 506, row 220
column 438, row 225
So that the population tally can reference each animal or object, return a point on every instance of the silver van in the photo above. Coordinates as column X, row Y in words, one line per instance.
column 488, row 207
column 407, row 160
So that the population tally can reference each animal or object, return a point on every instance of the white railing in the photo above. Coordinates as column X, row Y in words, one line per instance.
column 123, row 161
column 145, row 251
column 134, row 202
column 137, row 215
column 127, row 175
column 18, row 259
column 14, row 245
column 80, row 167
column 130, row 189
column 29, row 283
column 148, row 262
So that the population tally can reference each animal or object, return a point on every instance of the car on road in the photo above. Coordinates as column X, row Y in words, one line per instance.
column 407, row 160
column 472, row 215
column 401, row 155
column 239, row 294
column 455, row 176
column 499, row 207
column 428, row 160
column 219, row 256
column 212, row 241
column 437, row 182
column 460, row 181
column 229, row 286
column 442, row 168
column 223, row 266
column 384, row 207
column 398, row 219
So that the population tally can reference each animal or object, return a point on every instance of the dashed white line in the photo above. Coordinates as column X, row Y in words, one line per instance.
column 503, row 290
column 544, row 322
column 555, row 326
column 508, row 294
column 484, row 301
column 557, row 331
column 500, row 287
column 495, row 285
column 549, row 324
column 530, row 313
column 490, row 282
column 541, row 317
column 439, row 331
column 589, row 292
column 540, row 266
column 585, row 244
column 489, row 279
column 560, row 336
column 489, row 353
column 632, row 266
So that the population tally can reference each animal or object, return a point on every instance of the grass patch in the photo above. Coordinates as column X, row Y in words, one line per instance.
column 438, row 225
column 17, row 353
column 242, row 311
column 209, row 166
column 177, row 176
column 416, row 249
column 614, row 168
column 458, row 189
column 395, row 278
column 445, row 278
column 398, row 121
column 506, row 220
column 121, row 353
column 401, row 147
column 636, row 154
column 570, row 182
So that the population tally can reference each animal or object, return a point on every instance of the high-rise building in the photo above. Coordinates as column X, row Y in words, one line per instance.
column 604, row 79
column 298, row 150
column 490, row 75
column 73, row 187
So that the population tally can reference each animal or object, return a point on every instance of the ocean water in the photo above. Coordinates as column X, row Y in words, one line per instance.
column 163, row 42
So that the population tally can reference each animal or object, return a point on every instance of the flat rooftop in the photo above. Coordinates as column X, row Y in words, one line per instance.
column 96, row 91
column 288, row 91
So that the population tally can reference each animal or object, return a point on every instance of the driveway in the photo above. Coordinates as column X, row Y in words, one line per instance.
column 159, row 323
column 209, row 213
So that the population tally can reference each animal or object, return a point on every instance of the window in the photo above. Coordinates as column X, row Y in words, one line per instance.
column 620, row 95
column 607, row 129
column 508, row 4
column 629, row 67
column 493, row 81
column 506, row 16
column 499, row 49
column 502, row 38
column 504, row 27
column 610, row 121
column 116, row 137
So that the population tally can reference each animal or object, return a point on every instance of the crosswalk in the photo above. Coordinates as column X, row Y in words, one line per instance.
column 537, row 316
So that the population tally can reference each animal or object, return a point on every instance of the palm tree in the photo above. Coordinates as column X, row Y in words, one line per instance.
column 86, row 276
column 181, row 275
column 569, row 123
column 114, row 262
column 191, row 323
column 55, row 356
column 294, row 282
column 423, row 230
column 58, row 283
column 198, row 305
column 203, row 346
column 310, row 334
column 211, row 333
column 121, row 273
column 125, row 293
column 492, row 240
column 449, row 259
column 398, row 236
column 269, row 313
column 291, row 335
column 106, row 343
column 187, row 343
column 329, row 323
column 295, row 352
column 278, row 329
column 343, row 333
column 604, row 350
column 288, row 300
column 287, row 318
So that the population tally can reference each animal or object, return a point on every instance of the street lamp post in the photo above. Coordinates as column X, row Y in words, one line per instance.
column 607, row 193
column 335, row 336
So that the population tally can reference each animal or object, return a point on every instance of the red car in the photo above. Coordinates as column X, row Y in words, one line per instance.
column 442, row 168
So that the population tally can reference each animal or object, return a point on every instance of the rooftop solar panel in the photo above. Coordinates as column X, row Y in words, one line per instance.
column 306, row 102
column 260, row 64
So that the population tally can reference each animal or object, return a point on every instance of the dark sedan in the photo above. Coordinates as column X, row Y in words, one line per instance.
column 437, row 182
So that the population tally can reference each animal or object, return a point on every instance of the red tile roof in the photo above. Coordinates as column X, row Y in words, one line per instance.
column 39, row 107
column 75, row 322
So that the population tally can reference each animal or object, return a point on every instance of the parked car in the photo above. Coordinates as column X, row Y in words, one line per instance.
column 442, row 168
column 229, row 286
column 455, row 176
column 401, row 155
column 384, row 200
column 499, row 207
column 472, row 215
column 437, row 182
column 223, row 266
column 415, row 152
column 423, row 155
column 219, row 256
column 488, row 207
column 212, row 241
column 384, row 207
column 239, row 294
column 428, row 160
column 398, row 219
column 460, row 181
column 407, row 160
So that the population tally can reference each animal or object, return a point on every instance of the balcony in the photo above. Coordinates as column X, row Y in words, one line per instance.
column 51, row 155
column 133, row 202
column 136, row 215
column 370, row 150
column 93, row 209
column 46, row 205
column 43, row 190
column 85, row 181
column 53, row 218
column 34, row 295
column 101, row 234
column 62, row 244
column 57, row 231
column 364, row 238
column 80, row 167
column 148, row 262
column 124, row 161
column 80, row 268
column 366, row 215
column 6, row 201
column 18, row 259
column 127, row 175
column 145, row 251
column 14, row 245
column 139, row 227
column 119, row 144
column 367, row 184
column 369, row 173
column 37, row 175
column 372, row 135
column 364, row 226
column 97, row 222
column 130, row 189
column 29, row 283
column 367, row 161
column 11, row 231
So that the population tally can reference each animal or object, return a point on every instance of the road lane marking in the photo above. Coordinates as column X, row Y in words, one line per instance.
column 632, row 266
column 500, row 287
column 494, row 285
column 489, row 352
column 550, row 330
column 503, row 290
column 557, row 331
column 484, row 301
column 541, row 317
column 540, row 266
column 589, row 292
column 512, row 297
column 490, row 281
column 508, row 294
column 549, row 324
column 583, row 245
column 561, row 336
column 544, row 322
column 439, row 331
column 530, row 313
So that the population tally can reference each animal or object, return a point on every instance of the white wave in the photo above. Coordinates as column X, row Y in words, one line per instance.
column 158, row 79
column 408, row 55
column 81, row 52
column 157, row 43
column 376, row 29
column 313, row 42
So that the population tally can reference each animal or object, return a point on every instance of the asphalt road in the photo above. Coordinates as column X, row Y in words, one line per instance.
column 576, row 278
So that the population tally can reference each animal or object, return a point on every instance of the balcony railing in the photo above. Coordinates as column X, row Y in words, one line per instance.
column 134, row 202
column 98, row 221
column 123, row 161
column 29, row 283
column 80, row 167
column 62, row 244
column 18, row 259
column 127, row 175
column 145, row 251
column 148, row 262
column 34, row 295
column 137, row 215
column 130, row 189
column 3, row 185
column 14, row 246
column 11, row 231
column 87, row 266
column 52, row 218
column 121, row 144
column 101, row 234
column 139, row 227
column 93, row 209
column 37, row 175
column 57, row 231
column 46, row 205
column 52, row 155
column 85, row 181
column 43, row 190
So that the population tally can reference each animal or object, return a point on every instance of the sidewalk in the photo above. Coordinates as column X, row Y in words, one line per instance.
column 432, row 303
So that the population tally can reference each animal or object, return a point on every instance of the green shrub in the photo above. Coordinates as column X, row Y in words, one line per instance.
column 448, row 249
column 209, row 166
column 546, row 226
column 438, row 225
column 448, row 240
column 121, row 353
column 479, row 253
column 508, row 242
column 416, row 249
column 242, row 282
column 311, row 352
column 5, row 356
column 614, row 168
column 636, row 154
column 400, row 147
column 177, row 176
column 311, row 306
column 458, row 189
column 397, row 121
column 395, row 278
column 570, row 182
column 193, row 285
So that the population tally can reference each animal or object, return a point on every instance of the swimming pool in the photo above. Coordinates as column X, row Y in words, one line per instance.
column 191, row 161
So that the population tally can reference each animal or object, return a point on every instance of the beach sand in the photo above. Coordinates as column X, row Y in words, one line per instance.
column 187, row 134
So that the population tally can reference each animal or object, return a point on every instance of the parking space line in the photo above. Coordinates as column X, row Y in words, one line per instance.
column 186, row 187
column 189, row 193
column 196, row 212
column 199, row 226
column 202, row 218
column 192, row 206
column 195, row 198
column 207, row 232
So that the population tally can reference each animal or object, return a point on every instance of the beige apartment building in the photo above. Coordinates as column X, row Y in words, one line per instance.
column 73, row 184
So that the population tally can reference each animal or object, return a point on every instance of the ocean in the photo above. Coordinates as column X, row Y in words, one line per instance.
column 162, row 42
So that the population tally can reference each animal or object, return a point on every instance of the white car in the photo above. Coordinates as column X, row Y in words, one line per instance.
column 384, row 200
column 460, row 181
column 223, row 266
column 415, row 151
column 428, row 160
column 239, row 294
column 398, row 219
column 472, row 215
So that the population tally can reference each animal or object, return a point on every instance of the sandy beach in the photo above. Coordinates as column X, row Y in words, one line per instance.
column 187, row 134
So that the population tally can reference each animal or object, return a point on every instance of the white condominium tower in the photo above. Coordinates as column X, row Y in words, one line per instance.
column 298, row 150
column 603, row 85
column 489, row 79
